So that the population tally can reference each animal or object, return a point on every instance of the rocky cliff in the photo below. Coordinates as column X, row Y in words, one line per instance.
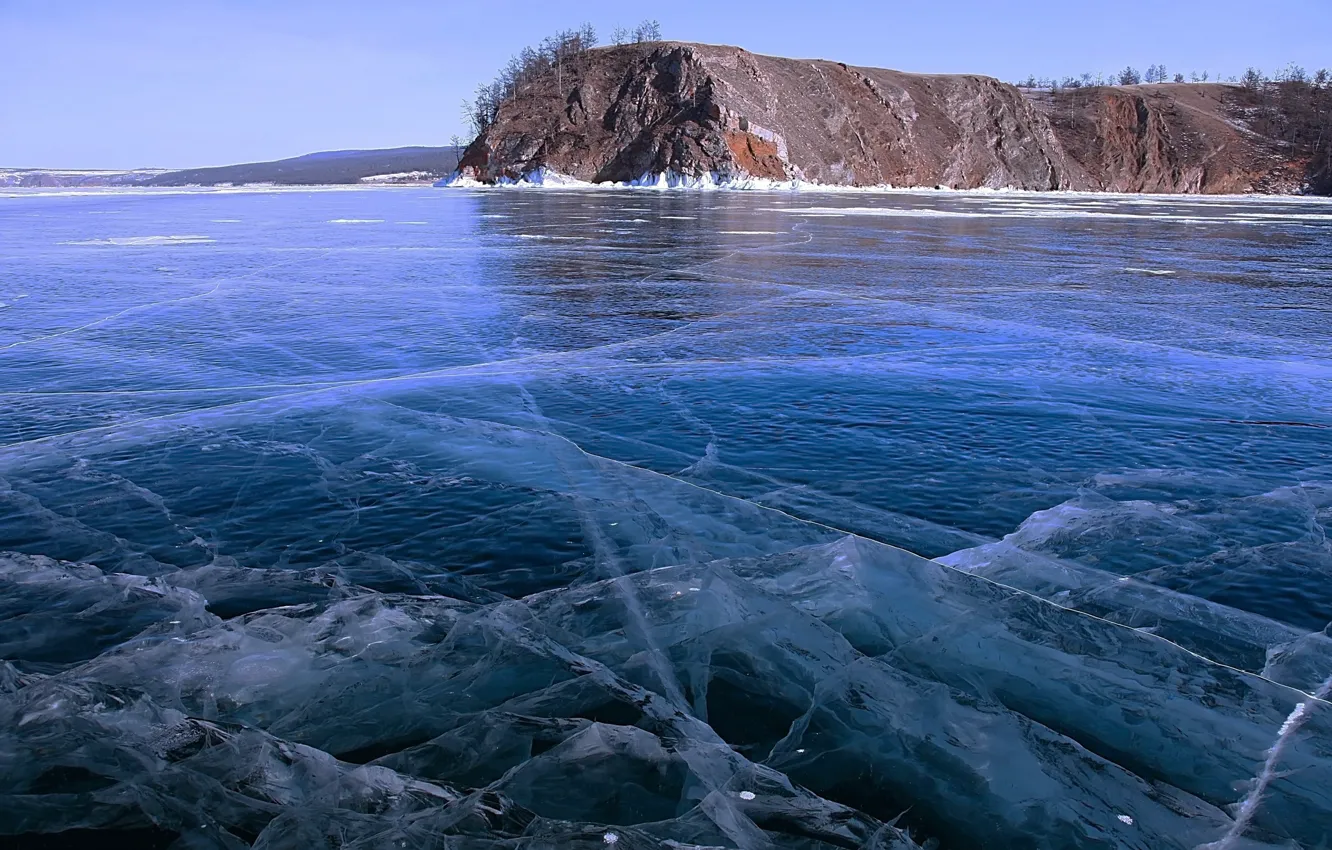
column 618, row 113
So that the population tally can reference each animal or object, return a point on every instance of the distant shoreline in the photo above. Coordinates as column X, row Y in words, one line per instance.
column 391, row 166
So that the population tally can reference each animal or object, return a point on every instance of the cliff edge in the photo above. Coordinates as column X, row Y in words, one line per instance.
column 617, row 114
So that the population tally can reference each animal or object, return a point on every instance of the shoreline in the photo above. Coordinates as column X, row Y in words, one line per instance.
column 660, row 185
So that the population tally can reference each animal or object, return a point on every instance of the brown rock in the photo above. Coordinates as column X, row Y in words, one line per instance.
column 692, row 109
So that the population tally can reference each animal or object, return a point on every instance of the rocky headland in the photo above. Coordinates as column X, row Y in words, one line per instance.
column 618, row 114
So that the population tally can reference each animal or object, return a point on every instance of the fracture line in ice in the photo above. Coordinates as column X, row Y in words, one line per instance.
column 1249, row 805
column 710, row 458
column 142, row 307
column 33, row 506
column 605, row 347
column 1060, row 333
column 165, row 391
column 609, row 562
column 526, row 364
column 135, row 309
column 320, row 387
column 1321, row 696
column 451, row 371
column 708, row 757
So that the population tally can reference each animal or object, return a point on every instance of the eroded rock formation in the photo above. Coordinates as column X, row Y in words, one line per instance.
column 618, row 113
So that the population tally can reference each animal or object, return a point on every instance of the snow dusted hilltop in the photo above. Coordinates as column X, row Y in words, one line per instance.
column 619, row 113
column 49, row 178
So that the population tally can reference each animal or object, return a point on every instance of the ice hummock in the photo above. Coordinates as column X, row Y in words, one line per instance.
column 804, row 699
column 547, row 178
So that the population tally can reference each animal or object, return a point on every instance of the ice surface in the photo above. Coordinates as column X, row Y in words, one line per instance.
column 404, row 536
column 653, row 701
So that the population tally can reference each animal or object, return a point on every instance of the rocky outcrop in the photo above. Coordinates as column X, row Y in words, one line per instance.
column 618, row 113
column 1174, row 137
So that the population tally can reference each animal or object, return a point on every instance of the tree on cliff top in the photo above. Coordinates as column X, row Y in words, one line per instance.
column 552, row 54
column 522, row 70
column 647, row 31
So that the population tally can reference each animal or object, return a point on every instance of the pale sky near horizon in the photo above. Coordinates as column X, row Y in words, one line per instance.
column 153, row 83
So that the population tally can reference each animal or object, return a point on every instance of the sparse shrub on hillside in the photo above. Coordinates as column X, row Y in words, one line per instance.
column 1292, row 73
column 1253, row 79
column 1297, row 110
column 552, row 54
column 530, row 63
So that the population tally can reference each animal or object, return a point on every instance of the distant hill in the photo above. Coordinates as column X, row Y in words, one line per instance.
column 390, row 166
column 62, row 178
column 394, row 165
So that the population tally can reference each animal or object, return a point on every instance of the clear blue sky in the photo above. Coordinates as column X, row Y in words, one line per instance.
column 129, row 83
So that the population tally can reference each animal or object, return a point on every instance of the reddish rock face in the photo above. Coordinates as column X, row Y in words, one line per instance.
column 615, row 114
column 755, row 156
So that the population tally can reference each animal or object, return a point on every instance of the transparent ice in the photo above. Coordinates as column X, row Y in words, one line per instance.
column 902, row 520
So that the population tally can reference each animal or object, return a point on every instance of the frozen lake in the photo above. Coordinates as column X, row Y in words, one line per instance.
column 427, row 518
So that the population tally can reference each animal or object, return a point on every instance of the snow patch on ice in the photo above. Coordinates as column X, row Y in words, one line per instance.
column 1013, row 208
column 144, row 241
